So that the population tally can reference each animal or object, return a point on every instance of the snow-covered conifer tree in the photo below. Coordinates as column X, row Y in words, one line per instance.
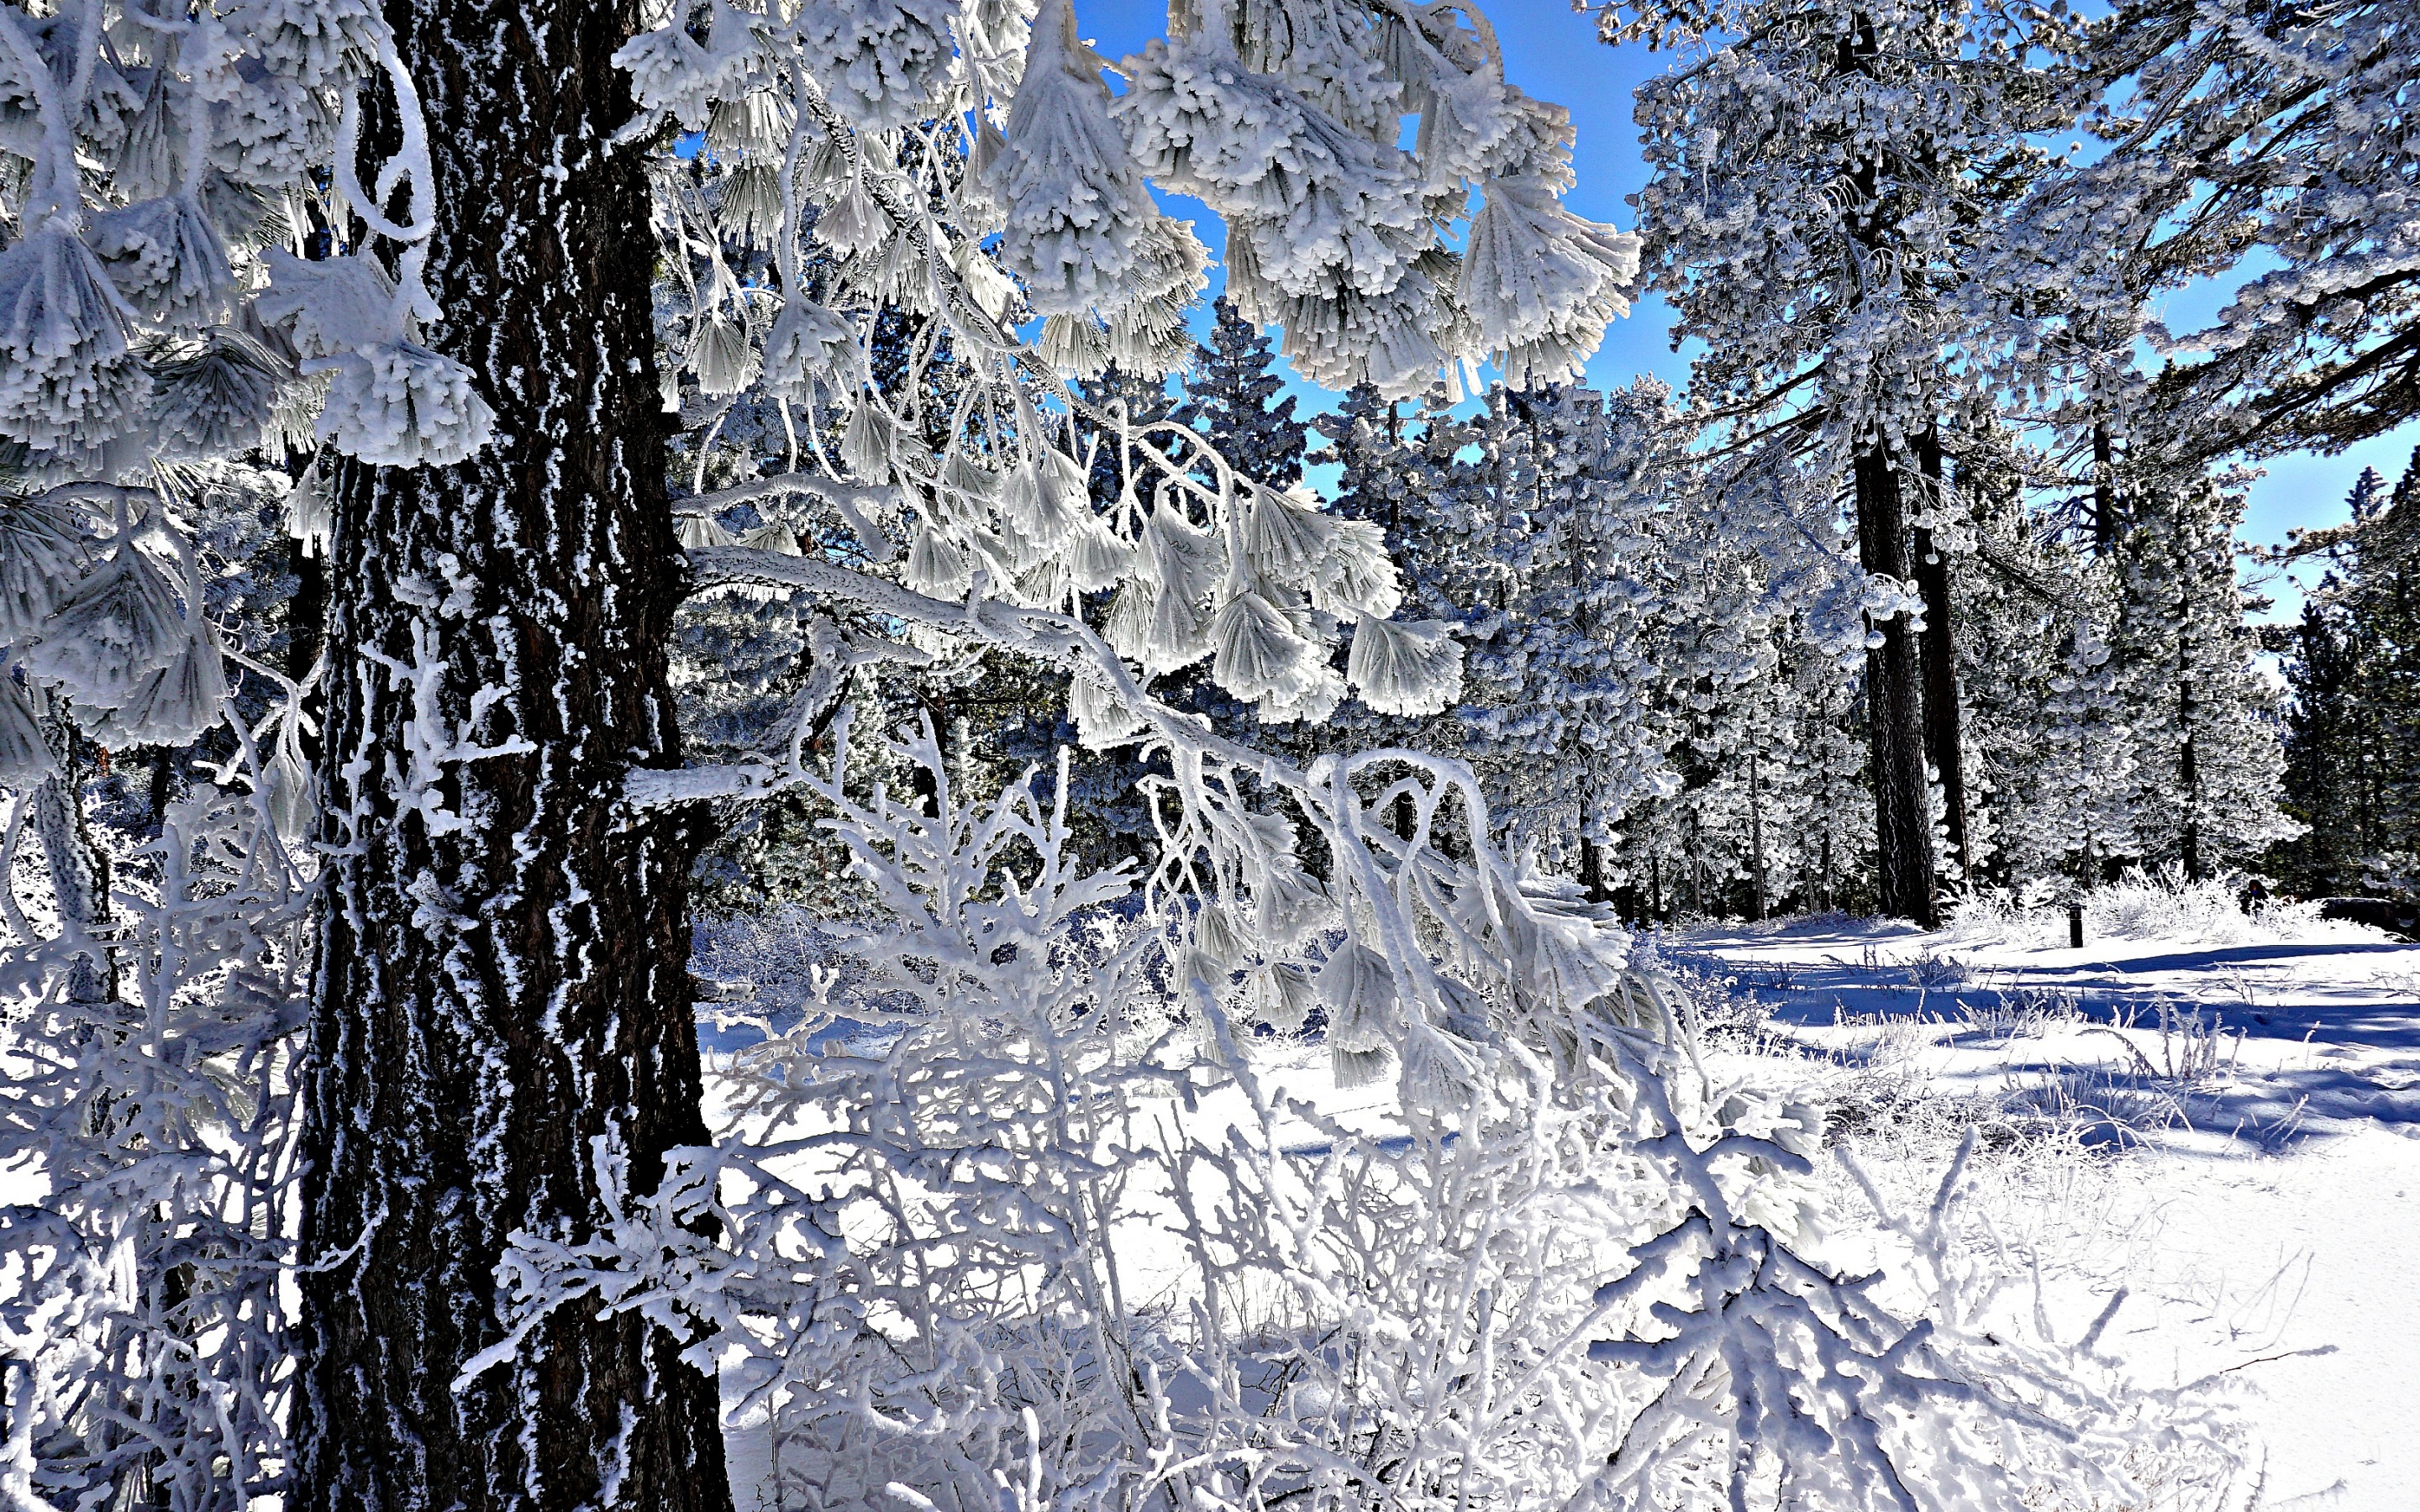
column 2207, row 736
column 1811, row 179
column 558, row 239
column 2229, row 125
column 1228, row 392
column 159, row 178
column 1559, row 573
column 2352, row 671
column 2053, row 791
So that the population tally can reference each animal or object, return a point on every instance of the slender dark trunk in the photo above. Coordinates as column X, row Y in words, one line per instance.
column 79, row 870
column 503, row 1033
column 2105, row 492
column 925, row 782
column 1697, row 867
column 1756, row 836
column 163, row 785
column 1944, row 737
column 2188, row 756
column 1894, row 704
column 1592, row 871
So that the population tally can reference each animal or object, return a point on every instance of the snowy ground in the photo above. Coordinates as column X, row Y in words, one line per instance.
column 2245, row 1150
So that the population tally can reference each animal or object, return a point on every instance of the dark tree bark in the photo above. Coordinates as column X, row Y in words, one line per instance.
column 1944, row 733
column 1592, row 871
column 2105, row 492
column 1894, row 704
column 1757, row 901
column 2189, row 753
column 79, row 869
column 1894, row 675
column 503, row 1001
column 161, row 789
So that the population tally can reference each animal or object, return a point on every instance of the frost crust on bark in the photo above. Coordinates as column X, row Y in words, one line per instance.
column 503, row 1021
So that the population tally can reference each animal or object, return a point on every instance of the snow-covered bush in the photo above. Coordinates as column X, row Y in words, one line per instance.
column 2168, row 905
column 2140, row 906
column 905, row 1247
column 146, row 1317
column 1022, row 1213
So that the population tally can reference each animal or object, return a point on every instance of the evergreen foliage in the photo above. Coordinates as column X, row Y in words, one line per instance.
column 2352, row 670
column 1228, row 393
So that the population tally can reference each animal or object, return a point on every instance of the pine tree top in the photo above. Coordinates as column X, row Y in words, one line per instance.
column 1228, row 395
column 2363, row 498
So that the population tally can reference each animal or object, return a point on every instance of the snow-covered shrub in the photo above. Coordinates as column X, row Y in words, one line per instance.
column 145, row 1318
column 1022, row 1211
column 2007, row 1014
column 905, row 1247
column 2164, row 905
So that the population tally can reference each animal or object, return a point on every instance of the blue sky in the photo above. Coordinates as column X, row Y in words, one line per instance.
column 1553, row 55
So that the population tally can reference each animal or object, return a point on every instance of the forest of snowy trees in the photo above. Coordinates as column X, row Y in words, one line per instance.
column 489, row 490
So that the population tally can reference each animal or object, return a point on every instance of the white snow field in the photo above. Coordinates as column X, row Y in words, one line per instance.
column 2225, row 1126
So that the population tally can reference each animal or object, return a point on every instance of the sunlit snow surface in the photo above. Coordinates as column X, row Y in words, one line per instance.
column 2263, row 1216
column 2251, row 1178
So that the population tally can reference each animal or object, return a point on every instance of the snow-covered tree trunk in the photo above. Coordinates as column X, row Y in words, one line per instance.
column 2105, row 521
column 1894, row 671
column 1894, row 704
column 503, row 1029
column 2188, row 763
column 1945, row 741
column 79, row 871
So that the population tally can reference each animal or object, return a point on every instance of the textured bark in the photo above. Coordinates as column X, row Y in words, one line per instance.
column 79, row 870
column 503, row 1001
column 2189, row 753
column 1592, row 871
column 1894, row 705
column 2105, row 493
column 1756, row 879
column 1894, row 678
column 1945, row 741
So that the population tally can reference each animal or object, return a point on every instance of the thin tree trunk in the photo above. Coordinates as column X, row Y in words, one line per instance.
column 1894, row 705
column 2188, row 757
column 2105, row 492
column 503, row 1029
column 79, row 870
column 163, row 785
column 1944, row 737
column 927, row 783
column 1756, row 836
